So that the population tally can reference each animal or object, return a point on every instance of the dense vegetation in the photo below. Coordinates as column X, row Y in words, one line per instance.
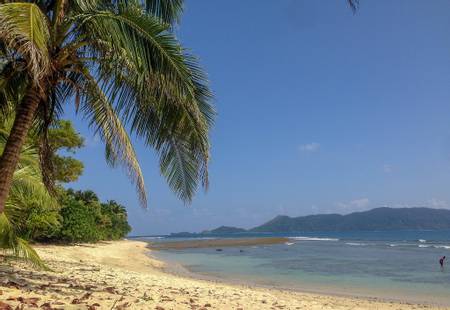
column 80, row 217
column 75, row 216
column 83, row 218
column 34, row 214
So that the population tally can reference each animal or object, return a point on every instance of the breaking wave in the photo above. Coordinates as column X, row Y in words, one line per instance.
column 313, row 239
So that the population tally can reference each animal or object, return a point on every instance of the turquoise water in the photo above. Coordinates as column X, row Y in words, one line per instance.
column 390, row 265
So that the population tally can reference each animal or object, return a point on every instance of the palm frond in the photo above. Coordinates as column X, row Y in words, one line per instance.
column 11, row 244
column 168, row 11
column 168, row 105
column 180, row 166
column 27, row 191
column 148, row 44
column 354, row 5
column 119, row 149
column 179, row 134
column 24, row 28
column 13, row 81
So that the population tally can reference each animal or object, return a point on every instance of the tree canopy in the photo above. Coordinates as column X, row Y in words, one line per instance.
column 120, row 64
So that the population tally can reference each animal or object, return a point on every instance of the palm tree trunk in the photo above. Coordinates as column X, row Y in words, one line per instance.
column 10, row 157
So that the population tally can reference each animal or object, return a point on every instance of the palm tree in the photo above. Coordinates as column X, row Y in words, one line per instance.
column 121, row 66
column 27, row 192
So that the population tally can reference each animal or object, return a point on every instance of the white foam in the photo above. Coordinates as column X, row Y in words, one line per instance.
column 356, row 243
column 422, row 240
column 442, row 246
column 424, row 246
column 313, row 239
column 289, row 243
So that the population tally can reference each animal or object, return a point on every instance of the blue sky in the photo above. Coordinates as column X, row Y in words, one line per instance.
column 319, row 111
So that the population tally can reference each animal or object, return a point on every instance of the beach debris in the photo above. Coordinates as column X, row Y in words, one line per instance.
column 159, row 308
column 76, row 301
column 44, row 286
column 5, row 306
column 10, row 283
column 30, row 301
column 111, row 289
column 166, row 298
column 76, row 286
column 147, row 297
column 86, row 296
column 123, row 306
column 46, row 306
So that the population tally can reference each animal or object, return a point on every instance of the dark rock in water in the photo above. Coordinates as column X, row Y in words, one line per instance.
column 241, row 251
column 218, row 250
column 237, row 243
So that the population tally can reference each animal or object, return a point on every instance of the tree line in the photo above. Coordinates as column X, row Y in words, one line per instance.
column 33, row 214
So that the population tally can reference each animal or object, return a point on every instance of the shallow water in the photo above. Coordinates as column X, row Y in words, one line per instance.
column 391, row 265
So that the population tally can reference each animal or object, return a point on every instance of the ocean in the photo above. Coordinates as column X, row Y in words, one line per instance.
column 394, row 265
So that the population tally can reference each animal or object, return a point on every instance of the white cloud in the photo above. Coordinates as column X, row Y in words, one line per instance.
column 359, row 204
column 437, row 203
column 387, row 168
column 310, row 147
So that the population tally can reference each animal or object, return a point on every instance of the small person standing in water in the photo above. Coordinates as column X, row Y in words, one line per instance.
column 441, row 262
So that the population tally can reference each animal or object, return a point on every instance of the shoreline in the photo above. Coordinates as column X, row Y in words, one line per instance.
column 125, row 275
column 178, row 270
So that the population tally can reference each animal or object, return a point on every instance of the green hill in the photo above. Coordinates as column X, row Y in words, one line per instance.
column 375, row 219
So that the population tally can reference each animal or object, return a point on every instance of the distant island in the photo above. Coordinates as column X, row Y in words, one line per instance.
column 375, row 219
column 222, row 230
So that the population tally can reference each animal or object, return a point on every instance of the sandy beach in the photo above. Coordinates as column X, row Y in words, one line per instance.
column 121, row 275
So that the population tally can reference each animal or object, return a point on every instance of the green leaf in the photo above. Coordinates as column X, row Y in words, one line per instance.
column 98, row 109
column 24, row 28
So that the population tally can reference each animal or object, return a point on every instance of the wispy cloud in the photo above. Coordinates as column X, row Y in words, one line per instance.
column 310, row 147
column 387, row 168
column 359, row 204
